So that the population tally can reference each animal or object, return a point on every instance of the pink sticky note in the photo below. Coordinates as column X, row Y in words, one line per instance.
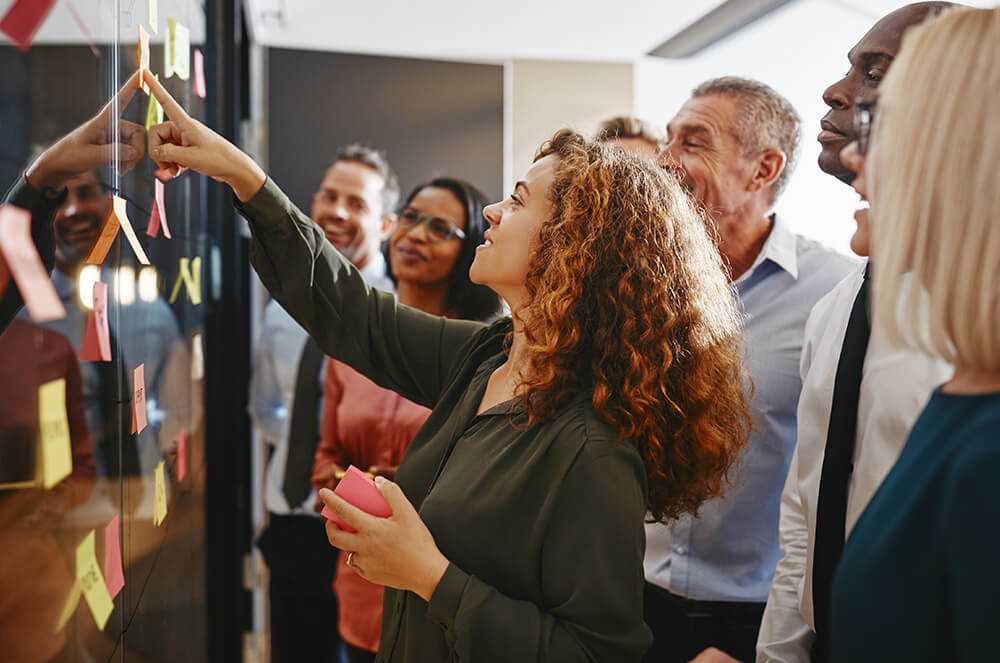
column 96, row 337
column 359, row 489
column 198, row 85
column 158, row 216
column 139, row 398
column 25, row 265
column 181, row 456
column 114, row 577
column 23, row 19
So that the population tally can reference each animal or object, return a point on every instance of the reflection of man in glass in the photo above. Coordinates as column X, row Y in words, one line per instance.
column 143, row 330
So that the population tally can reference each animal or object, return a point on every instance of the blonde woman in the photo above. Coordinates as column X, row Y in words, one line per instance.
column 918, row 578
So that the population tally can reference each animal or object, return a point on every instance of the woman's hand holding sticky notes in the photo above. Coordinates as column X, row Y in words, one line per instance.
column 358, row 489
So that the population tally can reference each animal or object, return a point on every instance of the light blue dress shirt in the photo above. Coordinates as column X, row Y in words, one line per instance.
column 728, row 553
column 276, row 356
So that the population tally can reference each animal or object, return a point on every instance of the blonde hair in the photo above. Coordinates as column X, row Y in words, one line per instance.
column 935, row 196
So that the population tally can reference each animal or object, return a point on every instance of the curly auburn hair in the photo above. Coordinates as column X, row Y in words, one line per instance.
column 627, row 296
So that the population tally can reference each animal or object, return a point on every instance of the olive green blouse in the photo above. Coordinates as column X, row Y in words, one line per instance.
column 543, row 527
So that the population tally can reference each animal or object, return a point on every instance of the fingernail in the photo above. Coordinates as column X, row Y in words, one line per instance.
column 380, row 480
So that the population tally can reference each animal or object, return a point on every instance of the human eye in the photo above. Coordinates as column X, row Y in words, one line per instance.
column 516, row 199
column 873, row 76
column 408, row 216
column 440, row 228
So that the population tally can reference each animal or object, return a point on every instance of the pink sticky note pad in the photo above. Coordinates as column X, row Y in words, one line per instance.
column 198, row 85
column 181, row 456
column 96, row 336
column 26, row 266
column 113, row 575
column 359, row 489
column 23, row 19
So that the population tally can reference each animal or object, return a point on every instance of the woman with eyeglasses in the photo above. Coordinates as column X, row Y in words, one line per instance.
column 918, row 577
column 428, row 253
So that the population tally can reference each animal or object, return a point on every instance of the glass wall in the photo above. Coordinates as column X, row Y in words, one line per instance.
column 102, row 426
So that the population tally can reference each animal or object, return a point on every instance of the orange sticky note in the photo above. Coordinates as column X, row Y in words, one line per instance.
column 198, row 86
column 53, row 433
column 113, row 574
column 88, row 574
column 139, row 398
column 143, row 58
column 104, row 241
column 158, row 217
column 25, row 265
column 159, row 495
column 96, row 337
column 181, row 456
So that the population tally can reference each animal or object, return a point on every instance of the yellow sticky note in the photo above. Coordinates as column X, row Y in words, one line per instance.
column 91, row 580
column 154, row 112
column 53, row 428
column 152, row 15
column 177, row 51
column 189, row 275
column 160, row 495
column 197, row 358
column 71, row 602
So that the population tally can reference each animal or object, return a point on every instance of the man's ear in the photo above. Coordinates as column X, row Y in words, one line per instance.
column 769, row 166
column 388, row 225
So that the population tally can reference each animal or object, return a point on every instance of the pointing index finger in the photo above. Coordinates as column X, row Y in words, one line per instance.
column 173, row 109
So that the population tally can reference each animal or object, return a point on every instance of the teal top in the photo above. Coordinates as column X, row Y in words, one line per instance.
column 919, row 577
column 543, row 527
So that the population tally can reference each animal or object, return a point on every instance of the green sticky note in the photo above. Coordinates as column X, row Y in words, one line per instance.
column 154, row 112
column 53, row 427
column 177, row 50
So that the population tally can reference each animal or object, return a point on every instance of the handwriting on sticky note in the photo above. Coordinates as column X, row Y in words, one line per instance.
column 88, row 574
column 158, row 217
column 177, row 50
column 113, row 574
column 198, row 86
column 154, row 113
column 23, row 19
column 143, row 59
column 359, row 490
column 181, row 456
column 189, row 275
column 139, row 397
column 96, row 335
column 197, row 358
column 25, row 265
column 159, row 495
column 53, row 427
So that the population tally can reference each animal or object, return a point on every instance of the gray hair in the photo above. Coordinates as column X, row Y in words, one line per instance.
column 768, row 120
column 376, row 160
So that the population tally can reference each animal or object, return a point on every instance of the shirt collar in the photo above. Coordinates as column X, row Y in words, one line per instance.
column 781, row 248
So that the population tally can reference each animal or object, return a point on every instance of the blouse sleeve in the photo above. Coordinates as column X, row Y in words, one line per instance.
column 397, row 347
column 592, row 578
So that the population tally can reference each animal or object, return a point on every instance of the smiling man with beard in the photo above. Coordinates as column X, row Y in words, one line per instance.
column 354, row 206
column 733, row 145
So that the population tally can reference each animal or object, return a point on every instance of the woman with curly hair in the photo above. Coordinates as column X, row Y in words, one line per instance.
column 614, row 390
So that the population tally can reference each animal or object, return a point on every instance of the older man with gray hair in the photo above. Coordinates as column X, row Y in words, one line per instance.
column 733, row 145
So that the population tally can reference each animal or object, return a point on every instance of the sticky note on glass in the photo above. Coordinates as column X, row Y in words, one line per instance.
column 181, row 456
column 158, row 217
column 122, row 214
column 88, row 574
column 96, row 336
column 69, row 607
column 25, row 265
column 159, row 495
column 197, row 358
column 177, row 51
column 143, row 58
column 358, row 489
column 152, row 11
column 114, row 577
column 189, row 275
column 139, row 398
column 53, row 430
column 23, row 19
column 198, row 86
column 154, row 113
